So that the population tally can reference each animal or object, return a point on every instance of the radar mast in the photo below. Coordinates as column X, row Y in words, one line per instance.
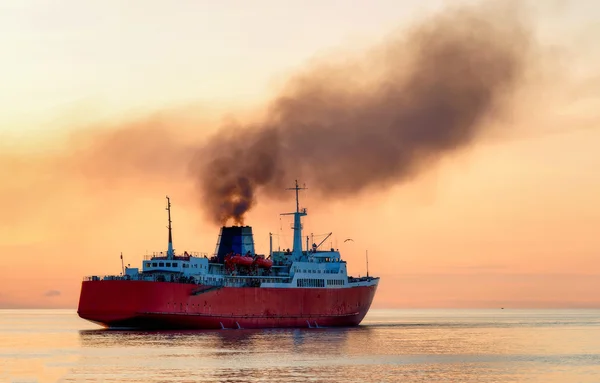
column 297, row 247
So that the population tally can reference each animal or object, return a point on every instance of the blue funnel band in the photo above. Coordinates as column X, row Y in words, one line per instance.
column 235, row 239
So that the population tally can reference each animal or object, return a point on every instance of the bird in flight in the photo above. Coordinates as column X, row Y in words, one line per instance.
column 349, row 239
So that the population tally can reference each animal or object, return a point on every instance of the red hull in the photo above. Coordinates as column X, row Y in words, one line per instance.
column 144, row 304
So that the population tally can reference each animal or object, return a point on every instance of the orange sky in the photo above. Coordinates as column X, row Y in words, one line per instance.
column 512, row 221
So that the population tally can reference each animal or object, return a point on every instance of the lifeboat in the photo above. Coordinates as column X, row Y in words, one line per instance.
column 264, row 263
column 241, row 260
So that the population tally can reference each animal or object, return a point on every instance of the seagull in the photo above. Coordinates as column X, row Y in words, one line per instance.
column 349, row 239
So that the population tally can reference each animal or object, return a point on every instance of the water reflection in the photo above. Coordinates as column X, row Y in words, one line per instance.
column 233, row 340
column 383, row 352
column 400, row 346
column 218, row 355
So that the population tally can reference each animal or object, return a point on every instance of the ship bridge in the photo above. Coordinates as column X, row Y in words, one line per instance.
column 185, row 263
column 324, row 256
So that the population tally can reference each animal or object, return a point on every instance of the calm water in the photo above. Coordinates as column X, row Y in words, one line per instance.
column 391, row 346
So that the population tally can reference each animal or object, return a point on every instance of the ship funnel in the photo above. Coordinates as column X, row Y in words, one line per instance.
column 235, row 239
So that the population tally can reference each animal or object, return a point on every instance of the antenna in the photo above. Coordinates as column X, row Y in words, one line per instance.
column 122, row 264
column 297, row 189
column 367, row 255
column 170, row 248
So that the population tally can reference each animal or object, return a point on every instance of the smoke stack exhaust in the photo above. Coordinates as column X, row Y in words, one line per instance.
column 345, row 130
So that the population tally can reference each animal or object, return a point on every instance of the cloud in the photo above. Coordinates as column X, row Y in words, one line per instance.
column 52, row 293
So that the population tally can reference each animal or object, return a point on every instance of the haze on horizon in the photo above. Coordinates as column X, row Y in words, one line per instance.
column 104, row 105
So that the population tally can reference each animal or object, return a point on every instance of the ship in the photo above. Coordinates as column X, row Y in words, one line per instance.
column 233, row 288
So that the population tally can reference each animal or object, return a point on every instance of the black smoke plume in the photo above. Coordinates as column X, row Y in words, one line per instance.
column 375, row 121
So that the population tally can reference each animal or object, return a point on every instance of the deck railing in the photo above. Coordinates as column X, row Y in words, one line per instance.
column 184, row 256
column 229, row 281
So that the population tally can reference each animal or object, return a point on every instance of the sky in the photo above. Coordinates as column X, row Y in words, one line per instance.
column 102, row 100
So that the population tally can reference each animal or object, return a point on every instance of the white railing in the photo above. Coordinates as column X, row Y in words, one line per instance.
column 138, row 277
column 163, row 254
column 229, row 281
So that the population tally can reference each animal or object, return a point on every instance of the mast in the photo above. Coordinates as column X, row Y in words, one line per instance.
column 367, row 255
column 122, row 264
column 297, row 247
column 170, row 248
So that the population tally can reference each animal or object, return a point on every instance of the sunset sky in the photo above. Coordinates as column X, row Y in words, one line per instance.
column 98, row 98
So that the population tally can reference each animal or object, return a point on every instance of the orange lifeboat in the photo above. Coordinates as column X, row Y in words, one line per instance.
column 241, row 260
column 265, row 263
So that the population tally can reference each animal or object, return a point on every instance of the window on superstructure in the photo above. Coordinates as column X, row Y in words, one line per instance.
column 161, row 264
column 147, row 264
column 153, row 264
column 168, row 264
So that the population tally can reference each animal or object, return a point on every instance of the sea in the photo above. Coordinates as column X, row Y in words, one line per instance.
column 492, row 345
